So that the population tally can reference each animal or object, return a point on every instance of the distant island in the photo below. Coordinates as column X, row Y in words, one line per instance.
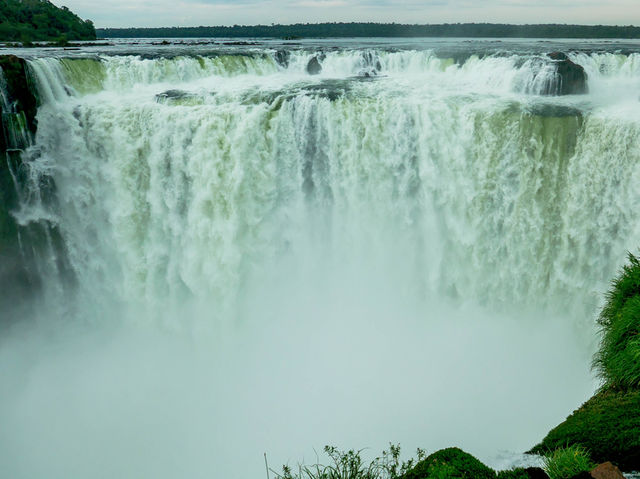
column 327, row 30
column 39, row 20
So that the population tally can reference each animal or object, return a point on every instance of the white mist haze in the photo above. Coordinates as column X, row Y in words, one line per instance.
column 349, row 364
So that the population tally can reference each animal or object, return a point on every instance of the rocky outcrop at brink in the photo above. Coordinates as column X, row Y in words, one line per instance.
column 569, row 77
column 19, row 88
column 282, row 57
column 314, row 67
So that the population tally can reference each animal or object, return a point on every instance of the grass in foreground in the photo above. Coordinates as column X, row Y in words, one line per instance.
column 566, row 462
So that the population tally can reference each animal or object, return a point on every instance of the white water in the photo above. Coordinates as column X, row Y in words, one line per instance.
column 277, row 261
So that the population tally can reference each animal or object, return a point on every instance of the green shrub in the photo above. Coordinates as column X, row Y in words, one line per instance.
column 451, row 463
column 608, row 424
column 618, row 359
column 566, row 462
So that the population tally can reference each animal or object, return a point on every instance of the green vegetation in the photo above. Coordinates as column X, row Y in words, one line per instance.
column 607, row 426
column 451, row 463
column 350, row 465
column 566, row 462
column 39, row 20
column 327, row 30
column 618, row 360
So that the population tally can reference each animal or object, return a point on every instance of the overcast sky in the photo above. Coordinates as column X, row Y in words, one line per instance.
column 151, row 13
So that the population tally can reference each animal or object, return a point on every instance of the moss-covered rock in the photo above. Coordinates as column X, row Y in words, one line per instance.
column 607, row 426
column 451, row 463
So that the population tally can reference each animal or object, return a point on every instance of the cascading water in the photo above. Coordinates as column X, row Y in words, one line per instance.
column 405, row 247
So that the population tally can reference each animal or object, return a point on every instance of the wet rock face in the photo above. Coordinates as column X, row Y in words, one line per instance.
column 371, row 65
column 570, row 78
column 20, row 245
column 19, row 88
column 17, row 111
column 282, row 57
column 314, row 67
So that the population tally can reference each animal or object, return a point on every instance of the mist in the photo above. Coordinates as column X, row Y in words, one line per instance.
column 352, row 364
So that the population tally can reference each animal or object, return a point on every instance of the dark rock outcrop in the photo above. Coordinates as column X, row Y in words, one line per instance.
column 21, row 244
column 17, row 112
column 19, row 89
column 569, row 78
column 314, row 67
column 282, row 57
column 371, row 65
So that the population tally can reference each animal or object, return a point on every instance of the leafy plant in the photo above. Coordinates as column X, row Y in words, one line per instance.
column 618, row 359
column 350, row 465
column 566, row 462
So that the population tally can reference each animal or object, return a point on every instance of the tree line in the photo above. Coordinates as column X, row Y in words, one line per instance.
column 325, row 30
column 40, row 20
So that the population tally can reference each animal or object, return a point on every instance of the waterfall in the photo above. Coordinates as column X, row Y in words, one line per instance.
column 271, row 255
column 510, row 201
